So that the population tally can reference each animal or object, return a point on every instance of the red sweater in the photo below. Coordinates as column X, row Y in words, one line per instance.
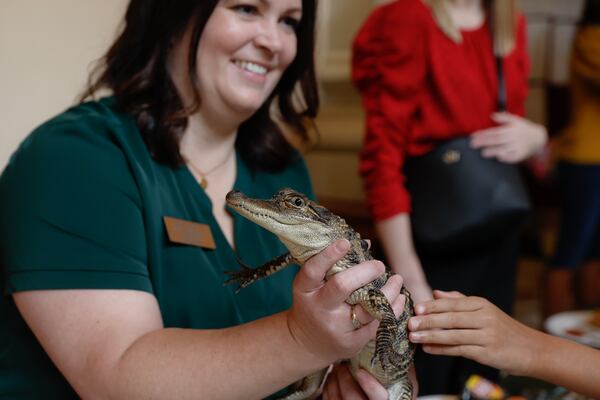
column 419, row 87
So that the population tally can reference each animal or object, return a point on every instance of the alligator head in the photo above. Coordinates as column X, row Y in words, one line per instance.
column 302, row 225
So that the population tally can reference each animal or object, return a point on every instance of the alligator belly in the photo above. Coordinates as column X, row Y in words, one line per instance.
column 363, row 360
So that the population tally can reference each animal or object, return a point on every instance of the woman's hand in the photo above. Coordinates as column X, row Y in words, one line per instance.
column 513, row 140
column 320, row 319
column 341, row 385
column 474, row 328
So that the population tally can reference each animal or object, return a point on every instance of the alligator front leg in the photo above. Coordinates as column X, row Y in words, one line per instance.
column 246, row 275
column 391, row 331
column 392, row 344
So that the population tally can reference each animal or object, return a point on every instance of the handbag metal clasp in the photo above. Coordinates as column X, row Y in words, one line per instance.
column 451, row 156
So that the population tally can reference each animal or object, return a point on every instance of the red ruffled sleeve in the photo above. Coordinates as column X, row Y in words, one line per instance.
column 389, row 70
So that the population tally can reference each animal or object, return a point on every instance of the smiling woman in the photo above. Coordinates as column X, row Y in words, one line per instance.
column 241, row 57
column 104, row 297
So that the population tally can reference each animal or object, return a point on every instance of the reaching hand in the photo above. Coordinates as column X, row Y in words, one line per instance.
column 320, row 319
column 513, row 140
column 474, row 328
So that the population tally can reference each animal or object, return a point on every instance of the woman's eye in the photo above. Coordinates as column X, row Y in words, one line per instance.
column 291, row 22
column 246, row 9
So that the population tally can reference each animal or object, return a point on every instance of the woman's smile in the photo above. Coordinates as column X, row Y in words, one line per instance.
column 253, row 71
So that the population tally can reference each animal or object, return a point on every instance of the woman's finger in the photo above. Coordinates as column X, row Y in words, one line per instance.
column 494, row 151
column 331, row 391
column 392, row 287
column 495, row 136
column 505, row 118
column 391, row 290
column 312, row 273
column 348, row 386
column 341, row 285
column 398, row 305
column 512, row 153
column 371, row 387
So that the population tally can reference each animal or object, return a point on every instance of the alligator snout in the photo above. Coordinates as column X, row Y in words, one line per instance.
column 234, row 197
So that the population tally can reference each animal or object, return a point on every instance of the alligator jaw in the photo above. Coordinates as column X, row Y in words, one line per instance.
column 303, row 236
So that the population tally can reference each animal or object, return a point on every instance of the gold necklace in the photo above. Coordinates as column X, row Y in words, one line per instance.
column 203, row 175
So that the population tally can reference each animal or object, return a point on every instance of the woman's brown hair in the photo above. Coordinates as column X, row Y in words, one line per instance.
column 135, row 70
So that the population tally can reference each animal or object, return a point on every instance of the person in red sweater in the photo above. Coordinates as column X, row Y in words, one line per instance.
column 427, row 73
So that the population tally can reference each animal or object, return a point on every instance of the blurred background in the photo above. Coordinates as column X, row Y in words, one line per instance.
column 48, row 48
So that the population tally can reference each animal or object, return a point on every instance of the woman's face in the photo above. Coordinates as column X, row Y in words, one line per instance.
column 243, row 52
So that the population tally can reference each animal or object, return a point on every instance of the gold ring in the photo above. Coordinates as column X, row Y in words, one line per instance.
column 355, row 321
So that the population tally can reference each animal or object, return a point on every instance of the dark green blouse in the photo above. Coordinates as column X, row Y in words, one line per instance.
column 82, row 206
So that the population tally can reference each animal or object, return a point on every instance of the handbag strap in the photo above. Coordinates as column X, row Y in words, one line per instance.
column 501, row 102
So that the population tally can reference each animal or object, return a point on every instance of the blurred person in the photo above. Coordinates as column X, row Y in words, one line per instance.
column 573, row 274
column 472, row 327
column 115, row 235
column 427, row 73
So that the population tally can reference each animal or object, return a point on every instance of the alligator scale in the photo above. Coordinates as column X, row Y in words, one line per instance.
column 306, row 228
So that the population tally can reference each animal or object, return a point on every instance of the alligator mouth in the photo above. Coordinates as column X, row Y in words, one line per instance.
column 259, row 211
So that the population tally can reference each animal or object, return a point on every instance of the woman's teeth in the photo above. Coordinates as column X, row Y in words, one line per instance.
column 252, row 67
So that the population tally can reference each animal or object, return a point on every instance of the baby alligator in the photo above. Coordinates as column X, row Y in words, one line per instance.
column 306, row 228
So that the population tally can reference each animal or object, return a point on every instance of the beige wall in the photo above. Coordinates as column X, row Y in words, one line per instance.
column 46, row 48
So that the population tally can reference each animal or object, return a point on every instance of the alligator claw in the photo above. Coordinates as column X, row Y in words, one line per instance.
column 244, row 277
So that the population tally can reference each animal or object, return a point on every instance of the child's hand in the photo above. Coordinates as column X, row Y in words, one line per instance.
column 474, row 328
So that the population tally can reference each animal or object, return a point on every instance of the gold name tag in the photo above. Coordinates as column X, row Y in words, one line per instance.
column 190, row 233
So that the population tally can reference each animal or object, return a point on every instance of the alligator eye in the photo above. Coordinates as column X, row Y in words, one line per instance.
column 297, row 201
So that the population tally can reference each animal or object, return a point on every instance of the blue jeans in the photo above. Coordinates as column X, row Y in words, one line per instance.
column 579, row 227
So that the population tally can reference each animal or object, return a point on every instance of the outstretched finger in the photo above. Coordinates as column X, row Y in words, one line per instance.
column 312, row 274
column 444, row 305
column 442, row 294
column 469, row 351
column 448, row 320
column 450, row 337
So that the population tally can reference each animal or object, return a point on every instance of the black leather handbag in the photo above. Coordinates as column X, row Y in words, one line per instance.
column 460, row 199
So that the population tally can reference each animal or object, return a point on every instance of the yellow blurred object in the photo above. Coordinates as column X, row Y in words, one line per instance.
column 580, row 142
column 483, row 389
